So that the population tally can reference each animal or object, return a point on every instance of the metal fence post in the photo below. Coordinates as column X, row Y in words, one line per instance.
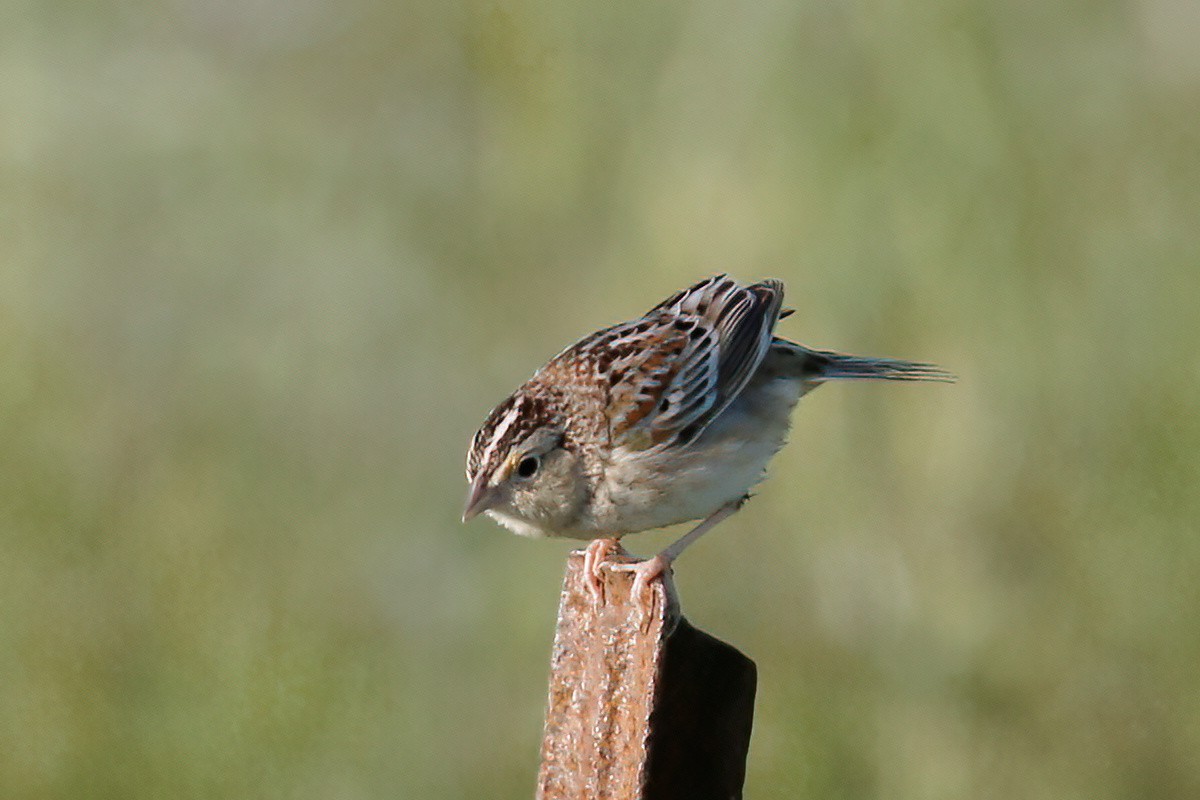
column 657, row 711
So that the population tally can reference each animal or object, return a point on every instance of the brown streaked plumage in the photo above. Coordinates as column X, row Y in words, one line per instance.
column 667, row 418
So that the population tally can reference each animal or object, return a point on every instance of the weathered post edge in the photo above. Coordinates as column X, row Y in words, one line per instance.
column 641, row 709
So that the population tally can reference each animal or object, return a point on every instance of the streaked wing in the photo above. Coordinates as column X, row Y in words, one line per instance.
column 677, row 368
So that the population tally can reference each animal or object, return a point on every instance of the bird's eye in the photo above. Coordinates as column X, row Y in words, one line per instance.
column 527, row 466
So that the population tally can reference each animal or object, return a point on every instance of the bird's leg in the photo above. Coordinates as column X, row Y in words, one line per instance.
column 594, row 556
column 659, row 566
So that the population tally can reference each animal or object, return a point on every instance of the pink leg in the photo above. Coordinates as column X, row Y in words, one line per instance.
column 659, row 566
column 594, row 556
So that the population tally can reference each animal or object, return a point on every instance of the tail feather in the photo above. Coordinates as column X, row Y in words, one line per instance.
column 840, row 366
column 823, row 365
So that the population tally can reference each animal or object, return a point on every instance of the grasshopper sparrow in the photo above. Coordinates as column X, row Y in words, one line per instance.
column 667, row 418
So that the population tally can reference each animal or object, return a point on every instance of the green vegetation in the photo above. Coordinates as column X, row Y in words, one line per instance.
column 264, row 267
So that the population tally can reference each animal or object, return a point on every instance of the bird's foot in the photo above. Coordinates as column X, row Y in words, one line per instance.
column 642, row 593
column 594, row 557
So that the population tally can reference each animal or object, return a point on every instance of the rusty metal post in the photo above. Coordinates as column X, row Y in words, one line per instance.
column 657, row 711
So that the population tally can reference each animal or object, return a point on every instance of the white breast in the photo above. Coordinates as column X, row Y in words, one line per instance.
column 641, row 490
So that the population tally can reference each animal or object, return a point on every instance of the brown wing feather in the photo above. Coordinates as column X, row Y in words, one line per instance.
column 698, row 350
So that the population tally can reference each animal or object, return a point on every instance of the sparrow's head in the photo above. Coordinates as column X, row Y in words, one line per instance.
column 521, row 471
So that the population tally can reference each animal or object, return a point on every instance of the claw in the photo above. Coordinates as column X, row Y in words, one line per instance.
column 594, row 556
column 642, row 592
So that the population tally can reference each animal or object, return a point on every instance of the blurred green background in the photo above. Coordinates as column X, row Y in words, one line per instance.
column 265, row 266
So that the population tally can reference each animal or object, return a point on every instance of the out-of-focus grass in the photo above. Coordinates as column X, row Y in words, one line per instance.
column 264, row 268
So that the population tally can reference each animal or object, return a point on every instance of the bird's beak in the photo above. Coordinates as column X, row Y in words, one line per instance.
column 480, row 497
